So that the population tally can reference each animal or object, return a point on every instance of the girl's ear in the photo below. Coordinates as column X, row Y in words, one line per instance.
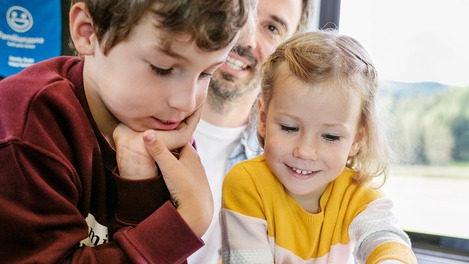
column 357, row 143
column 81, row 29
column 262, row 117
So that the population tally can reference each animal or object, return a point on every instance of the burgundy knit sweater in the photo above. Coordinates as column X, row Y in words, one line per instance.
column 61, row 199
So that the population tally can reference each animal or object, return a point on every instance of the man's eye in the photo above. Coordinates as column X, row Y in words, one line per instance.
column 273, row 29
column 161, row 71
column 329, row 137
column 288, row 129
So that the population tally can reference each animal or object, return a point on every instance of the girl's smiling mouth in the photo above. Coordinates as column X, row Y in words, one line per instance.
column 300, row 173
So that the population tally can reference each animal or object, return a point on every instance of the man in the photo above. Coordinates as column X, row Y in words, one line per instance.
column 224, row 135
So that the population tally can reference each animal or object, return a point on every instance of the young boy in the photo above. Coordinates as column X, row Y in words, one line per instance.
column 73, row 131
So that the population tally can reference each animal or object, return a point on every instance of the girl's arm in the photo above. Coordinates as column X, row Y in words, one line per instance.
column 378, row 238
column 243, row 224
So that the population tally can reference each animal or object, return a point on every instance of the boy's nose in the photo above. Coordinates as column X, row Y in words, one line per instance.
column 184, row 99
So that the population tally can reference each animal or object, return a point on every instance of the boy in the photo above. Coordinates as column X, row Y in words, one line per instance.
column 71, row 188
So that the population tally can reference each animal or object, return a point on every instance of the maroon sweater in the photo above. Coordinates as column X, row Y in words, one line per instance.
column 60, row 197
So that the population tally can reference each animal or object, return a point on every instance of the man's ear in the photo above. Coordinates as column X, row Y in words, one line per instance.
column 81, row 29
column 262, row 117
column 357, row 143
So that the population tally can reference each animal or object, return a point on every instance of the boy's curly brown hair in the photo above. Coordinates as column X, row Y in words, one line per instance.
column 212, row 24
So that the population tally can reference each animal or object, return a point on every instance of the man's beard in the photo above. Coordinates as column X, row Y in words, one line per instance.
column 224, row 89
column 223, row 86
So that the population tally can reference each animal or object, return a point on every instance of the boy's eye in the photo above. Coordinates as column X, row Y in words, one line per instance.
column 329, row 137
column 161, row 71
column 288, row 129
column 205, row 75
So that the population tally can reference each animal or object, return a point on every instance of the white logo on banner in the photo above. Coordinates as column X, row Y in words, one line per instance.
column 19, row 19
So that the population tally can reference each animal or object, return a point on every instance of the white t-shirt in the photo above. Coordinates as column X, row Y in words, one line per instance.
column 214, row 145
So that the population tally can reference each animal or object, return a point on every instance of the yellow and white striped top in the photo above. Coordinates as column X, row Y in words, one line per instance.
column 261, row 223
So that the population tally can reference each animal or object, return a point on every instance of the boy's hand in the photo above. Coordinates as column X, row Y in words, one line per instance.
column 133, row 160
column 175, row 139
column 186, row 181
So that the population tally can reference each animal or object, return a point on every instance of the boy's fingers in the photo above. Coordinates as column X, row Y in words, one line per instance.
column 175, row 139
column 157, row 149
column 194, row 119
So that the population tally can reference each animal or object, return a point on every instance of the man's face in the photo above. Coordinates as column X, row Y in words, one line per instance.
column 276, row 20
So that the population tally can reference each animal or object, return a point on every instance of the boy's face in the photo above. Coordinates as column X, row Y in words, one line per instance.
column 309, row 134
column 144, row 86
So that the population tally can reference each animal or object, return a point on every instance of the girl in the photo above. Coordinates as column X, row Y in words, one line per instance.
column 309, row 198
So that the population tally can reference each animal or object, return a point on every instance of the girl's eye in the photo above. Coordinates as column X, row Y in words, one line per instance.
column 331, row 138
column 161, row 71
column 288, row 129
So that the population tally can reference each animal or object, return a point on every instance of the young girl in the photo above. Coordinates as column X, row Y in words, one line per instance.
column 309, row 198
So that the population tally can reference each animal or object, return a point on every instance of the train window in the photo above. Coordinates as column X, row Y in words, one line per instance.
column 421, row 51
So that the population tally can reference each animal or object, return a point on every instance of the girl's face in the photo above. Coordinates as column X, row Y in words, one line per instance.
column 309, row 132
column 144, row 85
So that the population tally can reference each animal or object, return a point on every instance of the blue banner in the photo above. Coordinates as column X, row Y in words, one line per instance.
column 30, row 31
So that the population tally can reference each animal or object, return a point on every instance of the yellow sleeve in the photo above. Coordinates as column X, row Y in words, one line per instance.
column 242, row 221
column 392, row 251
column 240, row 193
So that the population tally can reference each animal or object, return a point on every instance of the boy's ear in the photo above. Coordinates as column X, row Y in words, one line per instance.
column 81, row 29
column 262, row 116
column 357, row 143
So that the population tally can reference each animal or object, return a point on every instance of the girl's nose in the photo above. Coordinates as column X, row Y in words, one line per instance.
column 306, row 149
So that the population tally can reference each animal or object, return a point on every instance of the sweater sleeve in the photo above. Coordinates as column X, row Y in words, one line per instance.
column 149, row 228
column 244, row 228
column 42, row 223
column 378, row 237
column 163, row 237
